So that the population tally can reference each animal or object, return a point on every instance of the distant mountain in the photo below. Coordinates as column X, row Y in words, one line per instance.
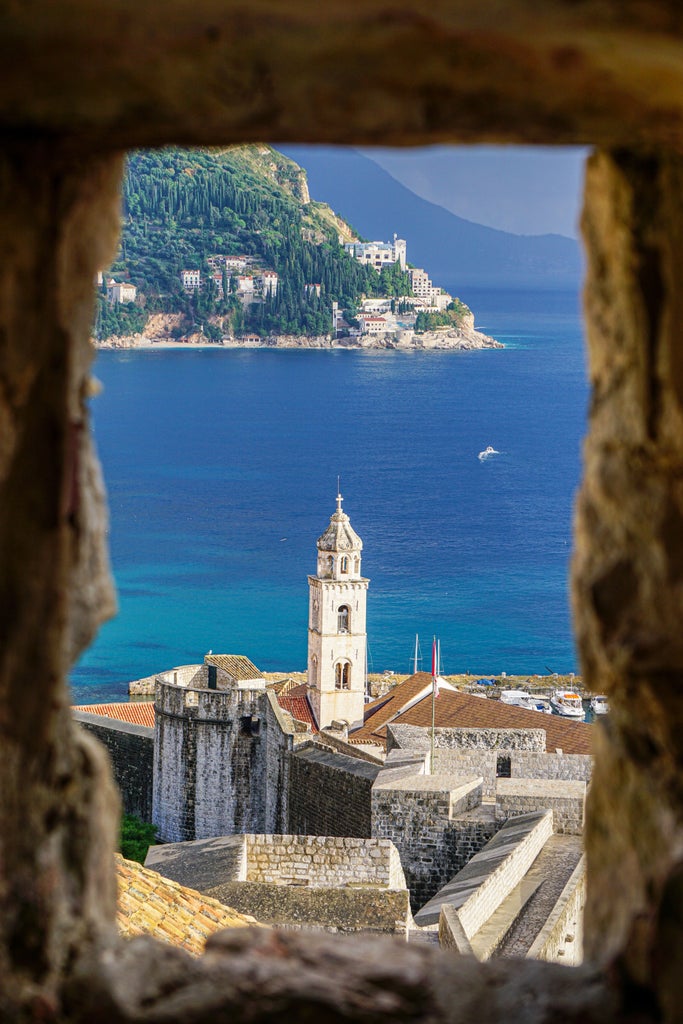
column 455, row 252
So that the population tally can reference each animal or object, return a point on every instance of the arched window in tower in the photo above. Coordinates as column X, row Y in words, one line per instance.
column 314, row 670
column 314, row 613
column 330, row 564
column 344, row 564
column 342, row 675
column 343, row 616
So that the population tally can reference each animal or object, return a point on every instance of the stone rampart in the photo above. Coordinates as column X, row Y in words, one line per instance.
column 416, row 812
column 323, row 861
column 219, row 762
column 479, row 889
column 345, row 910
column 330, row 794
column 477, row 761
column 131, row 751
column 568, row 767
column 561, row 938
column 567, row 801
column 415, row 737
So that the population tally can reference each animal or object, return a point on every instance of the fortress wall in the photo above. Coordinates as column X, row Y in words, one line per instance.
column 568, row 767
column 131, row 751
column 561, row 938
column 210, row 762
column 567, row 801
column 416, row 737
column 462, row 762
column 323, row 861
column 367, row 909
column 330, row 794
column 432, row 846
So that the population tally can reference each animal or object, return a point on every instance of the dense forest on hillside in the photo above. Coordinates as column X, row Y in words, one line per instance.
column 181, row 207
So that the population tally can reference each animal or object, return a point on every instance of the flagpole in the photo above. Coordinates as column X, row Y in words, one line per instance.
column 434, row 669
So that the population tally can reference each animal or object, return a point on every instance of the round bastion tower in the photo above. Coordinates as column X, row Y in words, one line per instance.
column 336, row 625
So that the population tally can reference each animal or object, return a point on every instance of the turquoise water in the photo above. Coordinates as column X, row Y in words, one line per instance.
column 222, row 466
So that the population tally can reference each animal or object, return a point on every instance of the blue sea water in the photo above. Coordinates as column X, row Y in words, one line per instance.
column 222, row 467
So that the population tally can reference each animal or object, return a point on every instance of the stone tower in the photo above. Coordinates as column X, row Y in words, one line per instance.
column 336, row 624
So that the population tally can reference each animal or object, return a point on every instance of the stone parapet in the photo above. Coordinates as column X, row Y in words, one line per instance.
column 567, row 801
column 479, row 889
column 569, row 767
column 561, row 938
column 323, row 861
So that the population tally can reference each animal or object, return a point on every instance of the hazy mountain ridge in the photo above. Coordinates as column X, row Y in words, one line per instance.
column 457, row 252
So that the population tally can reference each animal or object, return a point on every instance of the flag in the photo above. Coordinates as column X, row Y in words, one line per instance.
column 435, row 670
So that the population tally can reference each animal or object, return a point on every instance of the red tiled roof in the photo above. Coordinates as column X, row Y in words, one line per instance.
column 298, row 706
column 461, row 710
column 136, row 713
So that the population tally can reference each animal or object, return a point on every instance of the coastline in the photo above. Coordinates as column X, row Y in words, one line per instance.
column 443, row 339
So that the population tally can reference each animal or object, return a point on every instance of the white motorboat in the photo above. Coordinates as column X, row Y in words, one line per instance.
column 599, row 704
column 526, row 700
column 541, row 704
column 489, row 450
column 567, row 703
column 515, row 698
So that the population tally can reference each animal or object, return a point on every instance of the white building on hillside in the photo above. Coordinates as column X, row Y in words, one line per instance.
column 191, row 280
column 118, row 291
column 379, row 254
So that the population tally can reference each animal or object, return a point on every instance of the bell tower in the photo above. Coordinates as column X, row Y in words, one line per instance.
column 336, row 624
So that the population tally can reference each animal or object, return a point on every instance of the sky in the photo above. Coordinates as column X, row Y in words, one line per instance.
column 528, row 190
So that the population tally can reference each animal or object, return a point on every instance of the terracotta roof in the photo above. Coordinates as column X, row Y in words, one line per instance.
column 462, row 710
column 151, row 905
column 237, row 665
column 297, row 703
column 136, row 713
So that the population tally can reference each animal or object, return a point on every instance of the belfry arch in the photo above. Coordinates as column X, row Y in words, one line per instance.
column 76, row 91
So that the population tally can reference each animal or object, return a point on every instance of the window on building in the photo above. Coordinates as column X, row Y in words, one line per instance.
column 344, row 564
column 343, row 619
column 342, row 675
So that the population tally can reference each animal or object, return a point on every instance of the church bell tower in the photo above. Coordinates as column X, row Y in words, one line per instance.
column 336, row 624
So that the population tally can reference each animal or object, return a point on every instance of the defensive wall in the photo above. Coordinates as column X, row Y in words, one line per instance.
column 219, row 761
column 327, row 883
column 330, row 794
column 131, row 751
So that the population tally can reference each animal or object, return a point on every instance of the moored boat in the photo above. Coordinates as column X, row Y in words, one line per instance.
column 599, row 704
column 526, row 700
column 567, row 703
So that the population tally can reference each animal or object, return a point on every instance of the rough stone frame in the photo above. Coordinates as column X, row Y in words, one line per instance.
column 75, row 90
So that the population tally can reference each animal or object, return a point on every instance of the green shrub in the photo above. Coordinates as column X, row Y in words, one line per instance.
column 136, row 837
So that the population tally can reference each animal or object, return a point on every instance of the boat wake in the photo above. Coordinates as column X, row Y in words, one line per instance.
column 487, row 452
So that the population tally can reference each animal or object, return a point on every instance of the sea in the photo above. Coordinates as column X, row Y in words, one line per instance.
column 222, row 467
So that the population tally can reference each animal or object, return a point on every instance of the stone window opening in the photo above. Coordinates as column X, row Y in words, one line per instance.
column 503, row 766
column 342, row 675
column 344, row 619
column 344, row 564
column 58, row 215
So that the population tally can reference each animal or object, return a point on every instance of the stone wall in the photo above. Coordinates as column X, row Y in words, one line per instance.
column 330, row 794
column 477, row 761
column 323, row 861
column 219, row 763
column 561, row 938
column 365, row 909
column 568, row 767
column 424, row 816
column 416, row 737
column 131, row 751
column 567, row 800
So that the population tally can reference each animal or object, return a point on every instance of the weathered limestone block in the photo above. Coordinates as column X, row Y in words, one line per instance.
column 58, row 218
column 628, row 567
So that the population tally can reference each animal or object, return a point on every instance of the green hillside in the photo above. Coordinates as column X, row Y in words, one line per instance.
column 188, row 209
